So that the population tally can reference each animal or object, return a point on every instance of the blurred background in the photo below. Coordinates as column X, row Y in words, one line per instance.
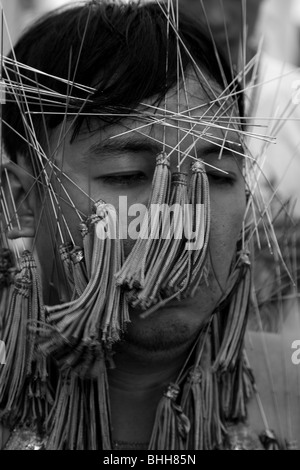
column 278, row 21
column 18, row 14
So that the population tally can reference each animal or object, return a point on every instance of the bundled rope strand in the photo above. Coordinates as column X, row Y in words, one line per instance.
column 77, row 328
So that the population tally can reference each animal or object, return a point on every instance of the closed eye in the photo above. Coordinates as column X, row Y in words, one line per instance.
column 124, row 179
column 220, row 178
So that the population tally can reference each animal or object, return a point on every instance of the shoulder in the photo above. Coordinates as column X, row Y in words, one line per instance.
column 277, row 401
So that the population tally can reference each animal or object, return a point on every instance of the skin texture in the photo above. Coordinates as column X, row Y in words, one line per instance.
column 154, row 349
column 111, row 170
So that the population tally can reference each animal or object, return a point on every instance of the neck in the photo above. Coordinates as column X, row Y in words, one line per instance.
column 136, row 385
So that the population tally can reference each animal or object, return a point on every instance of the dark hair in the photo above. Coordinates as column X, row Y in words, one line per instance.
column 125, row 51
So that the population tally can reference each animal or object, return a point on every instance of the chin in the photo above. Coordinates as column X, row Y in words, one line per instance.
column 175, row 322
column 165, row 331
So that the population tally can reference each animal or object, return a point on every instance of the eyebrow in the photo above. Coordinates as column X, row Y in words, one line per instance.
column 228, row 149
column 114, row 148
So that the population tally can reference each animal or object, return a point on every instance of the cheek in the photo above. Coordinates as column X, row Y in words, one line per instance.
column 227, row 215
column 124, row 200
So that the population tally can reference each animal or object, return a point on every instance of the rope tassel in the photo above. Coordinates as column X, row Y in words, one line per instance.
column 171, row 425
column 65, row 256
column 136, row 267
column 74, row 268
column 76, row 329
column 189, row 269
column 178, row 265
column 232, row 339
column 200, row 401
column 87, row 239
column 80, row 418
column 237, row 388
column 170, row 248
column 24, row 370
column 171, row 263
column 201, row 408
column 79, row 270
column 200, row 201
column 7, row 272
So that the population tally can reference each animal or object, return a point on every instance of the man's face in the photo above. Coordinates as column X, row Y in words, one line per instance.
column 112, row 162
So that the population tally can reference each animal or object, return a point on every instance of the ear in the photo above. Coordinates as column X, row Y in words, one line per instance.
column 17, row 197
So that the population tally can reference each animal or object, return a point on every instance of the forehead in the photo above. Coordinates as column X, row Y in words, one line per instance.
column 195, row 95
column 196, row 108
column 195, row 89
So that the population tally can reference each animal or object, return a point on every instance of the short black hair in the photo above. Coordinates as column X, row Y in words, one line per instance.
column 126, row 51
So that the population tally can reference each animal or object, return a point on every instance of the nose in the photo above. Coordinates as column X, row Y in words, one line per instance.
column 182, row 165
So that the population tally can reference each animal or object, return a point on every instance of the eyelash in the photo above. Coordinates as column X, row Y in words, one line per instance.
column 136, row 178
column 124, row 179
column 221, row 179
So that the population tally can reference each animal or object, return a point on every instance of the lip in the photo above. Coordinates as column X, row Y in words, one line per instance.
column 177, row 302
column 168, row 305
